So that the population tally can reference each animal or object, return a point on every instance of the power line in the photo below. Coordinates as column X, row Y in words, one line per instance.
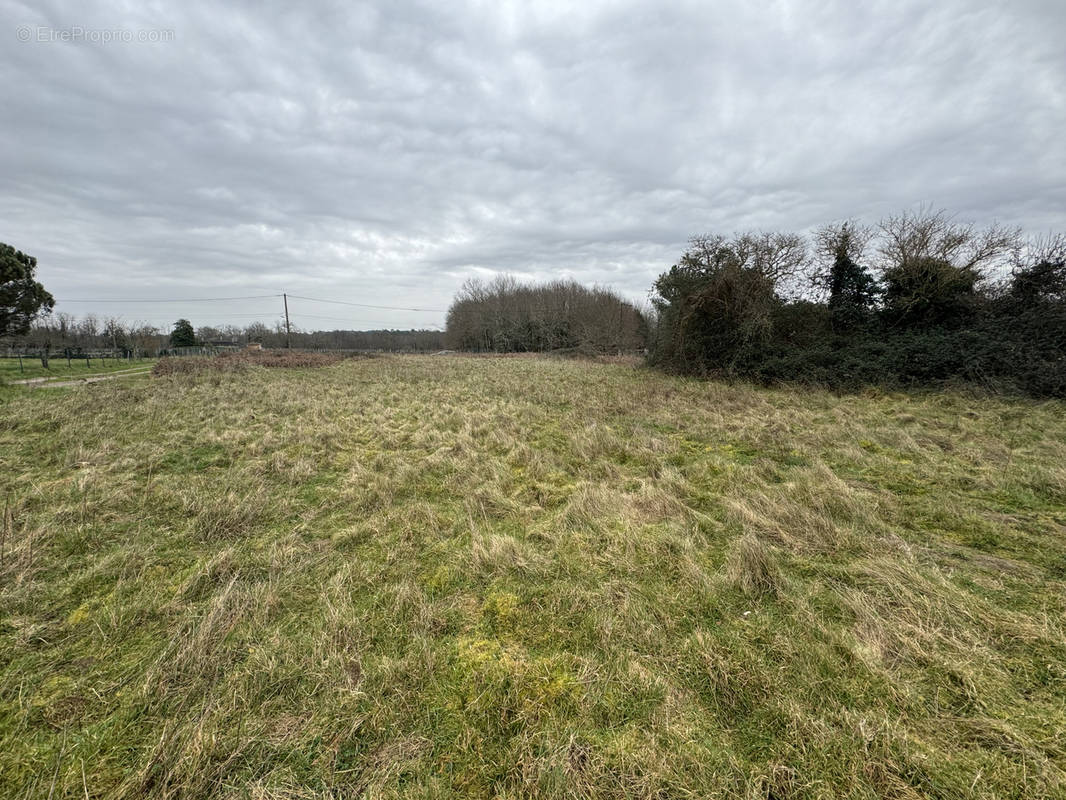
column 186, row 300
column 252, row 297
column 367, row 305
column 274, row 315
column 298, row 316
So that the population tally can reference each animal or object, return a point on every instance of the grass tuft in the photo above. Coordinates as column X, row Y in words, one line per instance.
column 752, row 567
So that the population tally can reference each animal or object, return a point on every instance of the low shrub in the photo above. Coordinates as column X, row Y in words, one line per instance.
column 231, row 362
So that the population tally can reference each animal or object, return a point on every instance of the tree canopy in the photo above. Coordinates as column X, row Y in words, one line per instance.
column 183, row 334
column 507, row 316
column 22, row 298
column 919, row 299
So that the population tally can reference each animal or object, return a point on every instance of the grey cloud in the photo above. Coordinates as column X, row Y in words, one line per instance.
column 382, row 154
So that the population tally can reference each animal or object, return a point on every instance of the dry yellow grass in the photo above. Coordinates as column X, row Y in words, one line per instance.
column 434, row 577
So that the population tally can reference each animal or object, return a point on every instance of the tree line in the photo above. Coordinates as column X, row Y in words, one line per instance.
column 62, row 332
column 390, row 341
column 504, row 315
column 28, row 325
column 916, row 299
column 276, row 336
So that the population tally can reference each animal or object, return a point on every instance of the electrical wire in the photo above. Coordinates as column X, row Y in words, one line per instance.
column 252, row 297
column 299, row 315
column 275, row 315
column 366, row 305
column 186, row 300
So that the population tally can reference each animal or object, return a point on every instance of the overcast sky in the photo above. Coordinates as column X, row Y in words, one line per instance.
column 382, row 154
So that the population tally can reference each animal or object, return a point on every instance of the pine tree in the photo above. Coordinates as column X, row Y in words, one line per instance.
column 183, row 335
column 22, row 298
column 852, row 291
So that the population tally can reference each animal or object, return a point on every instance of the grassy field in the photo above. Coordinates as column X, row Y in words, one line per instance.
column 474, row 577
column 57, row 368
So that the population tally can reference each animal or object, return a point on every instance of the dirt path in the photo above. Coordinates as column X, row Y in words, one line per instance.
column 62, row 380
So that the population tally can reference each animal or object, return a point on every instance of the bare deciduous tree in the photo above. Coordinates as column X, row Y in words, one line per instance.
column 924, row 234
column 932, row 265
column 504, row 315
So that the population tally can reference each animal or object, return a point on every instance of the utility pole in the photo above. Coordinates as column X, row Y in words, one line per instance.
column 288, row 332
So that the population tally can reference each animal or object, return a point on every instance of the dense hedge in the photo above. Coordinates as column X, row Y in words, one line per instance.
column 937, row 302
column 1000, row 353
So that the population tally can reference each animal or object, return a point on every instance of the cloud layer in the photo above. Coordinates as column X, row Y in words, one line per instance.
column 382, row 155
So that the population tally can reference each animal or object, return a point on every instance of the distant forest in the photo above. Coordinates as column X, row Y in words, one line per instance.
column 60, row 332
